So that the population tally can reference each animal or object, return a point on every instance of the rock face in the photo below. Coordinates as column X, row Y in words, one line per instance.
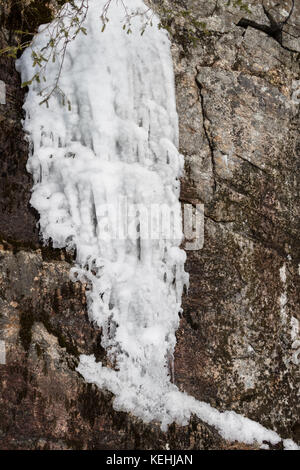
column 238, row 345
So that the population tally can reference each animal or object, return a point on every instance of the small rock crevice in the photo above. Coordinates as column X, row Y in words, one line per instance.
column 257, row 167
column 274, row 30
column 206, row 132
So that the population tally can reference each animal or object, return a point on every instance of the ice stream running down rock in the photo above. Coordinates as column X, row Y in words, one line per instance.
column 120, row 139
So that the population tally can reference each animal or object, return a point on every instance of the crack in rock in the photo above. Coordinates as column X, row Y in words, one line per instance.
column 275, row 29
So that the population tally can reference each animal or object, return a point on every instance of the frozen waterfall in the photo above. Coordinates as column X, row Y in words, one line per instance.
column 114, row 150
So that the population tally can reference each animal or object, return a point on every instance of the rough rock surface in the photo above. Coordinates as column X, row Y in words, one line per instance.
column 237, row 345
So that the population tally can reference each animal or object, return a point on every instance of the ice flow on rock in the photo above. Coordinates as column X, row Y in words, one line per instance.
column 119, row 142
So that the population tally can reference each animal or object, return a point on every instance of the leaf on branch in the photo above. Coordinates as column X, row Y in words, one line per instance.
column 24, row 84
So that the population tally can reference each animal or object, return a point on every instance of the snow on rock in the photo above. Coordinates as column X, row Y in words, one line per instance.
column 119, row 140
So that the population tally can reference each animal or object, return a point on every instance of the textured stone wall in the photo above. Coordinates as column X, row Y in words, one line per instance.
column 237, row 344
column 239, row 127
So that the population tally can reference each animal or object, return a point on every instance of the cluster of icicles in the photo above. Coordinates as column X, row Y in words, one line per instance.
column 119, row 140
